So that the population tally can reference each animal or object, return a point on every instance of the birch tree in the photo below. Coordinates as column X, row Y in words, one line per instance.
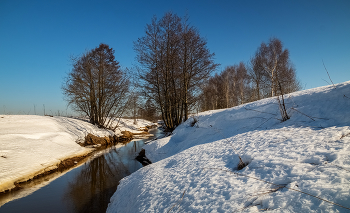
column 273, row 60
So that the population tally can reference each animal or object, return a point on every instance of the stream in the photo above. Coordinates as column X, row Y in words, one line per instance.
column 86, row 188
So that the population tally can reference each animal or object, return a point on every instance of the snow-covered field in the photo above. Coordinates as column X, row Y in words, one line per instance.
column 300, row 165
column 30, row 144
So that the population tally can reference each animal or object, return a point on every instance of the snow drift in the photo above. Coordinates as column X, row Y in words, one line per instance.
column 300, row 165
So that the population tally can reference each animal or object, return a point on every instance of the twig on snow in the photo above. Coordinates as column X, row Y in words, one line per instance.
column 343, row 136
column 270, row 190
column 260, row 111
column 263, row 122
column 256, row 196
column 178, row 201
column 342, row 168
column 279, row 185
column 303, row 113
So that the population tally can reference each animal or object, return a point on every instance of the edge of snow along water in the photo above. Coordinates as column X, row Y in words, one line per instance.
column 31, row 145
column 306, row 157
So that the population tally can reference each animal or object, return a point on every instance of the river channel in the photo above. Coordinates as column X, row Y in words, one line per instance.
column 87, row 188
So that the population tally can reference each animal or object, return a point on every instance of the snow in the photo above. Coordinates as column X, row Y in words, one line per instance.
column 129, row 125
column 300, row 165
column 30, row 144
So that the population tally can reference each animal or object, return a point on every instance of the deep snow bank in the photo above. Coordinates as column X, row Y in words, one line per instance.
column 31, row 145
column 195, row 169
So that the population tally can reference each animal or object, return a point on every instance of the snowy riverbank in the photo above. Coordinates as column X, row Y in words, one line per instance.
column 31, row 145
column 300, row 165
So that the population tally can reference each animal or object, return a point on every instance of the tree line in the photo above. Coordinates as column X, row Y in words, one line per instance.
column 268, row 73
column 174, row 77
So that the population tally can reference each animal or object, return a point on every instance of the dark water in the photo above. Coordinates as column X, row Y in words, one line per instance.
column 87, row 188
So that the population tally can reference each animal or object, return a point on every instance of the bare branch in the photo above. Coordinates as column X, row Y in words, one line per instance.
column 328, row 74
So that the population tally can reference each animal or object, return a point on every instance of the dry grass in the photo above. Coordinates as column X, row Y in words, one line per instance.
column 177, row 203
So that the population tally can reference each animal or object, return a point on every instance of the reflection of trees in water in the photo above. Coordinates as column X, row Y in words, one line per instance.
column 92, row 188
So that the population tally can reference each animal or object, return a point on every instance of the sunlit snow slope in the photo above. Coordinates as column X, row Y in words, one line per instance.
column 300, row 165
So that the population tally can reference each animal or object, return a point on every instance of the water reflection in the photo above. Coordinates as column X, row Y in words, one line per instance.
column 87, row 188
column 92, row 188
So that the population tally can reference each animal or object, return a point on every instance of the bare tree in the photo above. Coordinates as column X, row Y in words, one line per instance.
column 173, row 60
column 227, row 89
column 258, row 79
column 274, row 61
column 242, row 82
column 196, row 64
column 96, row 86
column 148, row 111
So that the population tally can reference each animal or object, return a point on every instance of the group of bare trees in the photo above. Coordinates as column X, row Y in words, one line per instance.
column 174, row 77
column 227, row 89
column 269, row 73
column 174, row 61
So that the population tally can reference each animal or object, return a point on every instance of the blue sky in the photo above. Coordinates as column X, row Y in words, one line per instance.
column 37, row 39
